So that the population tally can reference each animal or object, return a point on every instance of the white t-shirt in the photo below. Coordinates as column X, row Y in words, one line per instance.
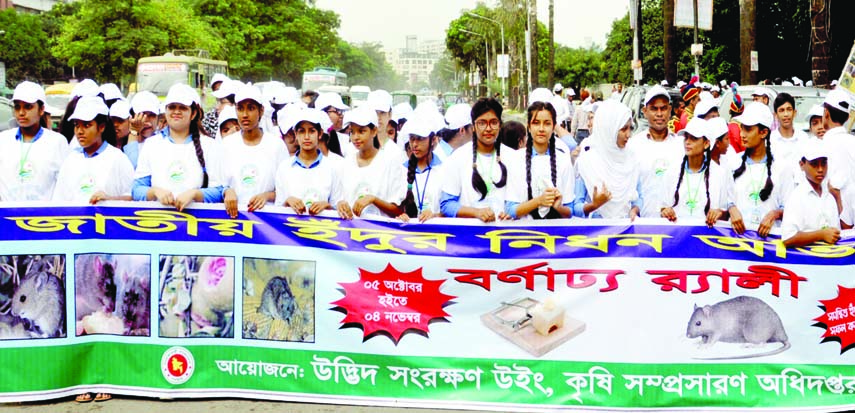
column 655, row 161
column 789, row 150
column 840, row 146
column 541, row 179
column 382, row 178
column 175, row 167
column 427, row 186
column 747, row 189
column 81, row 176
column 320, row 182
column 807, row 211
column 458, row 177
column 28, row 171
column 251, row 170
column 693, row 194
column 394, row 152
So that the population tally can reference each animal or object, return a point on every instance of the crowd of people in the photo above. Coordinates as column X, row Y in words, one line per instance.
column 313, row 153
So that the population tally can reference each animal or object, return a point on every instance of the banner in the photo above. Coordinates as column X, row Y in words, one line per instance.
column 573, row 314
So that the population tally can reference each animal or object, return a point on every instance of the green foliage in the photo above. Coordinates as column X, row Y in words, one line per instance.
column 578, row 68
column 365, row 64
column 24, row 47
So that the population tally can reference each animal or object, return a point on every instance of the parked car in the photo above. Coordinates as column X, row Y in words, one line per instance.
column 805, row 98
column 7, row 117
column 633, row 98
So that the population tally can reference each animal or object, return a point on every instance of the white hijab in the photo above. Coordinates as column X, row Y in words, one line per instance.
column 607, row 164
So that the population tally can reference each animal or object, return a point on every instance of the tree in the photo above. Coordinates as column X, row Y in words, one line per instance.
column 578, row 68
column 23, row 47
column 105, row 38
column 365, row 64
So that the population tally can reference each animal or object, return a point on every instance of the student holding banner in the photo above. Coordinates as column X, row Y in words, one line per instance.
column 424, row 171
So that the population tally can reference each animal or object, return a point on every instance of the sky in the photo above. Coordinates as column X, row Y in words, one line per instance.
column 578, row 23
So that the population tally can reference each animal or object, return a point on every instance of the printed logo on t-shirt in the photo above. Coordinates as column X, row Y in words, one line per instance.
column 249, row 175
column 311, row 196
column 27, row 172
column 659, row 167
column 86, row 184
column 363, row 189
column 177, row 171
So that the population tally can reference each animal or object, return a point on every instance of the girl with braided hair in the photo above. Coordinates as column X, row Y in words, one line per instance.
column 761, row 186
column 424, row 171
column 179, row 165
column 700, row 186
column 544, row 188
column 476, row 176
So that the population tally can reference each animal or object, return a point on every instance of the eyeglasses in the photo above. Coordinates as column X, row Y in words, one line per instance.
column 334, row 111
column 482, row 124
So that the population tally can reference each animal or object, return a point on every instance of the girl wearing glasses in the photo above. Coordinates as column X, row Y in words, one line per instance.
column 608, row 183
column 476, row 176
column 179, row 165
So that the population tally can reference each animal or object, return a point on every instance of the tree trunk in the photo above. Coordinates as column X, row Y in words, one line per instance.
column 535, row 74
column 551, row 43
column 819, row 42
column 747, row 17
column 670, row 42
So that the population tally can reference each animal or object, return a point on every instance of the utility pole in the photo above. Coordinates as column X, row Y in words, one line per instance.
column 551, row 80
column 747, row 17
column 535, row 82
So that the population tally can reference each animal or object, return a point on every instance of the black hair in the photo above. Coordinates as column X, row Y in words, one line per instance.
column 447, row 134
column 511, row 133
column 767, row 189
column 837, row 116
column 312, row 95
column 333, row 144
column 782, row 98
column 66, row 127
column 529, row 148
column 409, row 204
column 481, row 107
column 275, row 115
column 195, row 133
column 706, row 167
column 109, row 135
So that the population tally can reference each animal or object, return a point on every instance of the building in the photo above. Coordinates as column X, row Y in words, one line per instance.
column 29, row 6
column 416, row 60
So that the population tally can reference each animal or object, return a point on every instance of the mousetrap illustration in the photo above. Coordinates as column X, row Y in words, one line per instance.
column 536, row 327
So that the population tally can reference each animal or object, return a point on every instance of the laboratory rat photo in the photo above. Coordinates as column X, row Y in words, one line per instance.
column 112, row 294
column 32, row 296
column 279, row 300
column 742, row 320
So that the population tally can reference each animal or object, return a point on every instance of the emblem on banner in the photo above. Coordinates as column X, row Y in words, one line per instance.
column 177, row 365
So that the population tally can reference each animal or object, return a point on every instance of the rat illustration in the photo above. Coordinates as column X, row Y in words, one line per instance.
column 40, row 302
column 741, row 319
column 277, row 301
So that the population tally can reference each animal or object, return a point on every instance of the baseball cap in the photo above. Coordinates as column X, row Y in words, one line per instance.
column 755, row 113
column 229, row 87
column 110, row 91
column 287, row 115
column 29, row 92
column 664, row 82
column 86, row 87
column 705, row 106
column 249, row 92
column 181, row 93
column 540, row 94
column 380, row 100
column 762, row 91
column 816, row 110
column 285, row 95
column 654, row 92
column 814, row 151
column 570, row 92
column 716, row 128
column 120, row 109
column 228, row 113
column 218, row 77
column 696, row 127
column 145, row 101
column 362, row 116
column 312, row 115
column 558, row 88
column 401, row 111
column 458, row 115
column 88, row 107
column 838, row 99
column 418, row 125
column 327, row 99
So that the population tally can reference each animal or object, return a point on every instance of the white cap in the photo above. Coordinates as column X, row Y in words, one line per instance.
column 680, row 84
column 285, row 95
column 558, row 88
column 362, row 116
column 834, row 82
column 311, row 115
column 458, row 115
column 183, row 94
column 218, row 77
column 120, row 109
column 419, row 126
column 816, row 110
column 664, row 82
column 570, row 92
column 809, row 83
column 705, row 95
column 429, row 113
column 380, row 100
column 705, row 106
column 145, row 101
column 228, row 113
column 656, row 91
column 716, row 128
column 110, row 91
column 696, row 127
column 86, row 87
column 229, row 87
column 88, row 107
column 723, row 83
column 755, row 113
column 715, row 88
column 249, row 92
column 29, row 92
column 762, row 91
column 52, row 110
column 540, row 94
column 327, row 99
column 814, row 151
column 798, row 81
column 838, row 99
column 400, row 111
column 287, row 115
column 787, row 83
